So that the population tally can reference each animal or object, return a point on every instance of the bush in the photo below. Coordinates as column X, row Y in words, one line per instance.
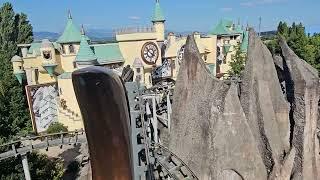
column 56, row 127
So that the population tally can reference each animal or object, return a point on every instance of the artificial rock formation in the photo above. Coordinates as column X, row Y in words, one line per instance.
column 302, row 84
column 268, row 133
column 209, row 129
column 265, row 105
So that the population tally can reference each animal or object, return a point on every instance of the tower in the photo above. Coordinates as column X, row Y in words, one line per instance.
column 85, row 56
column 158, row 21
column 70, row 38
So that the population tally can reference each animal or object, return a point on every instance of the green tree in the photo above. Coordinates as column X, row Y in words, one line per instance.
column 56, row 127
column 14, row 114
column 237, row 63
column 41, row 167
column 307, row 47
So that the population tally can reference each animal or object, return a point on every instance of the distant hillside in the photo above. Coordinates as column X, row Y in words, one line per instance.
column 268, row 34
column 94, row 34
column 45, row 35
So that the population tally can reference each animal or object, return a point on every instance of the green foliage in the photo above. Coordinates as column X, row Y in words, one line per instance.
column 237, row 63
column 14, row 114
column 73, row 167
column 56, row 127
column 307, row 47
column 41, row 168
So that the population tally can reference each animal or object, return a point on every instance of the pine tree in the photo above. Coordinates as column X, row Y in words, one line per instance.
column 14, row 114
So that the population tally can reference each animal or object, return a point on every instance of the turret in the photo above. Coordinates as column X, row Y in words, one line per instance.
column 85, row 56
column 18, row 70
column 70, row 38
column 138, row 70
column 158, row 21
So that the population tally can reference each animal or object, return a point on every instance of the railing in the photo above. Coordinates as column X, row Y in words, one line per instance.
column 25, row 145
column 131, row 30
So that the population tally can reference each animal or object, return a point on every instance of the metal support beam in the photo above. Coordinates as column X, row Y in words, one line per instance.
column 25, row 167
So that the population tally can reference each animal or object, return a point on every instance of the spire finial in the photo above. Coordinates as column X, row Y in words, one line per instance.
column 69, row 14
column 82, row 30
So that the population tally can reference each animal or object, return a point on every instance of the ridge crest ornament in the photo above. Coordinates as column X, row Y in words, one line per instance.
column 150, row 53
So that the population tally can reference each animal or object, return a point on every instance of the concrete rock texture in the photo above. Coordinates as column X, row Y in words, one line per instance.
column 209, row 129
column 269, row 131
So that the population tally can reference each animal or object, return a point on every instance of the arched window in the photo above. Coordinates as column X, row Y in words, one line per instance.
column 71, row 49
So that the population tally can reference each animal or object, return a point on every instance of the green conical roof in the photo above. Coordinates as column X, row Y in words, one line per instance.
column 85, row 54
column 225, row 28
column 221, row 28
column 71, row 33
column 158, row 14
column 245, row 42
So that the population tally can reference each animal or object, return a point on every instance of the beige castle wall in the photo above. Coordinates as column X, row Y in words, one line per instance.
column 132, row 49
column 159, row 28
column 67, row 93
column 67, row 62
column 136, row 36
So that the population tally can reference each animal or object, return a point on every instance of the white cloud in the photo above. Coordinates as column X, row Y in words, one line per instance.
column 134, row 17
column 226, row 9
column 260, row 2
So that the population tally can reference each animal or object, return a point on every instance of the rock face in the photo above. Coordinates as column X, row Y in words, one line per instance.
column 209, row 129
column 302, row 80
column 265, row 105
column 270, row 132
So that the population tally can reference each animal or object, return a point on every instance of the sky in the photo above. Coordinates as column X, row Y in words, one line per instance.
column 181, row 15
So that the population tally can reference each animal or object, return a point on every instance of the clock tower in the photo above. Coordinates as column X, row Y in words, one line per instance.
column 158, row 21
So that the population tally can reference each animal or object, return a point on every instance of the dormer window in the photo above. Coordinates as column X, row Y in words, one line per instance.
column 71, row 49
column 46, row 55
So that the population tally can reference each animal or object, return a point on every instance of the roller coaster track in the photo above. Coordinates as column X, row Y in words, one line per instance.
column 171, row 165
column 155, row 161
column 25, row 145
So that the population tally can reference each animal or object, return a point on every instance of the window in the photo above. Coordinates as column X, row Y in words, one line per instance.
column 20, row 67
column 36, row 75
column 74, row 64
column 138, row 70
column 205, row 57
column 63, row 50
column 71, row 49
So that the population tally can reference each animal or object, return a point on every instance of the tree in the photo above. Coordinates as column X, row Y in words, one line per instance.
column 41, row 167
column 56, row 127
column 307, row 47
column 14, row 114
column 237, row 63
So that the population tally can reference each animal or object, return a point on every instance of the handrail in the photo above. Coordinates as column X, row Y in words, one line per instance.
column 41, row 136
column 51, row 140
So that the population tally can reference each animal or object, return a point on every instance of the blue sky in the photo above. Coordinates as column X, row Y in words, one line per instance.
column 181, row 15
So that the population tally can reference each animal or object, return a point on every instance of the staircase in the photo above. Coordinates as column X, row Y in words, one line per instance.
column 65, row 112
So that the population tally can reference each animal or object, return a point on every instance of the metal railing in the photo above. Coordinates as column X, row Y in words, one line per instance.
column 28, row 144
column 131, row 30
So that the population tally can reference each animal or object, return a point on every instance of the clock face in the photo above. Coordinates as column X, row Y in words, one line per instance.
column 150, row 53
column 180, row 54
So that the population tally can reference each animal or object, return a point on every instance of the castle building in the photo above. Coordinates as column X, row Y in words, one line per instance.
column 151, row 54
